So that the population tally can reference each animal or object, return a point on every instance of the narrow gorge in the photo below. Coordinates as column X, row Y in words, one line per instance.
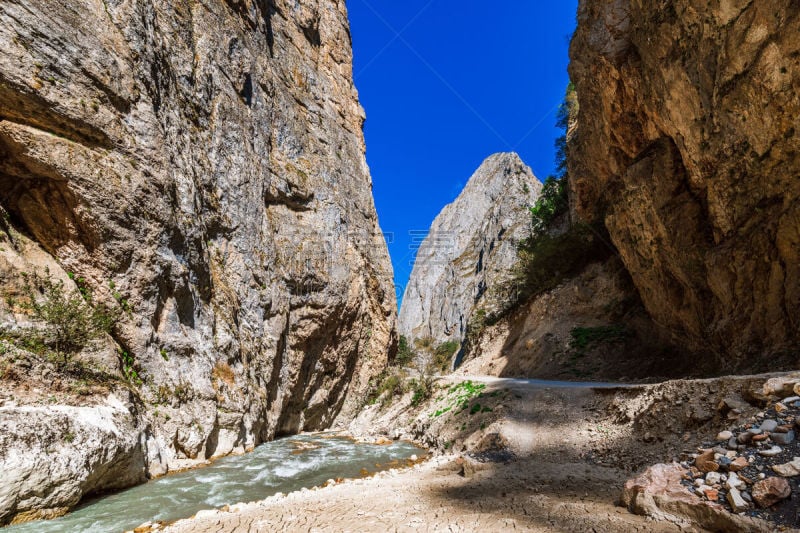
column 196, row 295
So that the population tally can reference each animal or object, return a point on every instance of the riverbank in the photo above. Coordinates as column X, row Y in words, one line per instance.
column 444, row 495
column 514, row 454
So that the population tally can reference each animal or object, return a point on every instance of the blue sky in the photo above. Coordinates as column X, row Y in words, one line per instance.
column 445, row 84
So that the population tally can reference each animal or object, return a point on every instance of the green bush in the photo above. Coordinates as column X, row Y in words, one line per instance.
column 71, row 320
column 443, row 354
column 423, row 390
column 552, row 203
column 583, row 338
column 385, row 387
column 405, row 353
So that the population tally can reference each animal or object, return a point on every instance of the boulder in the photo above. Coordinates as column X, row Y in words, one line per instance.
column 770, row 491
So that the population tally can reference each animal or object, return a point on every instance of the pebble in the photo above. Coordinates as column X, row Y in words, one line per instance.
column 724, row 435
column 744, row 437
column 769, row 425
column 783, row 438
column 791, row 399
column 779, row 407
column 734, row 482
column 796, row 388
column 705, row 462
column 713, row 478
column 737, row 464
column 737, row 502
column 733, row 444
column 771, row 452
column 788, row 469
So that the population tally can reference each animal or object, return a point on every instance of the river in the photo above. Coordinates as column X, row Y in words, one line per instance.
column 284, row 465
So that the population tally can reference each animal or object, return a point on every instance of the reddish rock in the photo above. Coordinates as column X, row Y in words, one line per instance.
column 705, row 462
column 770, row 491
column 737, row 464
column 658, row 493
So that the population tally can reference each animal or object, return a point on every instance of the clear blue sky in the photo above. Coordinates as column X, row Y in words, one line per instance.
column 445, row 84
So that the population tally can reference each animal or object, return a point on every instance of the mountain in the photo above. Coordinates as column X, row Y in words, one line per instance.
column 468, row 250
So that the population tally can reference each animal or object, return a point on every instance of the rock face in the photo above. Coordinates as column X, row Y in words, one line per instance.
column 75, row 450
column 469, row 248
column 688, row 147
column 208, row 159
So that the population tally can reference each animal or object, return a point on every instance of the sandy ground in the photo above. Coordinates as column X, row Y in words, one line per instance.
column 519, row 496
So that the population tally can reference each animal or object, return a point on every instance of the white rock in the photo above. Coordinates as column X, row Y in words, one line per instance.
column 713, row 478
column 734, row 482
column 771, row 452
column 737, row 502
column 724, row 436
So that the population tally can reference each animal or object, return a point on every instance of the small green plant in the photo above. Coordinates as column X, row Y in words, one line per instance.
column 423, row 390
column 129, row 370
column 164, row 354
column 182, row 392
column 388, row 385
column 459, row 396
column 443, row 354
column 70, row 320
column 583, row 338
column 69, row 437
column 405, row 353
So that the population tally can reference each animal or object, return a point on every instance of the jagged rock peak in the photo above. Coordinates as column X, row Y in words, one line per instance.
column 468, row 250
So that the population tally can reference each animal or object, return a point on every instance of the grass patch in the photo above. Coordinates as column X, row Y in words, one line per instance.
column 581, row 339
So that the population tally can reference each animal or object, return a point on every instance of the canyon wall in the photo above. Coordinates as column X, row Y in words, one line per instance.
column 469, row 250
column 200, row 164
column 688, row 149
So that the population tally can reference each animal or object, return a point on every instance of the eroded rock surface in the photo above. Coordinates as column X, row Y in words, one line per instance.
column 208, row 159
column 688, row 149
column 469, row 249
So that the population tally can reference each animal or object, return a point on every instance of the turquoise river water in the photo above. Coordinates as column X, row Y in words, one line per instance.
column 284, row 465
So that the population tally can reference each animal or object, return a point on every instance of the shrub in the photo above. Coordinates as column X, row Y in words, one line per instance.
column 405, row 353
column 552, row 203
column 386, row 386
column 71, row 320
column 583, row 338
column 423, row 390
column 443, row 354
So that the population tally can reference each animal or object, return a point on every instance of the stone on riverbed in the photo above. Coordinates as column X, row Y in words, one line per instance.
column 771, row 452
column 770, row 491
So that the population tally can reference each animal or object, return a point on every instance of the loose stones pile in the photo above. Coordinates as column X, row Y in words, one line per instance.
column 753, row 468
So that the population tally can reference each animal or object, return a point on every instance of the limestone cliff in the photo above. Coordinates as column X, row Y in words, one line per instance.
column 469, row 249
column 688, row 149
column 202, row 163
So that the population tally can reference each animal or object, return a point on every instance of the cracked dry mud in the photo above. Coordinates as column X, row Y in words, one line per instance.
column 524, row 496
